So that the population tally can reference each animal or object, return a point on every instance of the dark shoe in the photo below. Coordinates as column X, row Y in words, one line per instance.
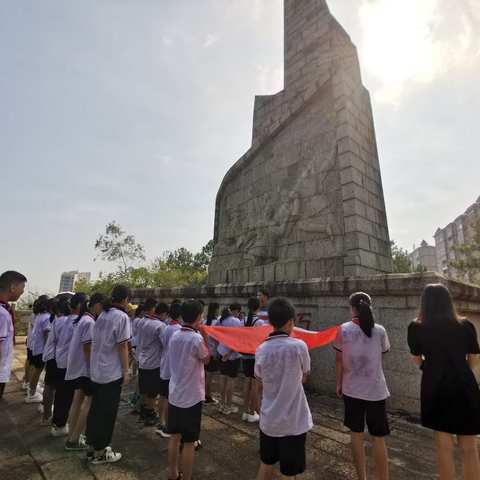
column 210, row 400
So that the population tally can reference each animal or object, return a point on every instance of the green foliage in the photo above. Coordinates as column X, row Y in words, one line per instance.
column 116, row 246
column 469, row 257
column 401, row 262
column 178, row 268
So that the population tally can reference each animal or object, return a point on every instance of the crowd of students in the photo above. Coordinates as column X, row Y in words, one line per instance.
column 88, row 346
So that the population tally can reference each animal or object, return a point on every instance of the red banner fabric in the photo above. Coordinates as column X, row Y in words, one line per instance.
column 247, row 340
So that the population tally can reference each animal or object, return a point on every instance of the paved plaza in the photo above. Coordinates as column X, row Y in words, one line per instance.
column 230, row 452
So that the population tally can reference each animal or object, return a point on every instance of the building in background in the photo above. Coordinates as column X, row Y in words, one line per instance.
column 424, row 258
column 459, row 232
column 68, row 280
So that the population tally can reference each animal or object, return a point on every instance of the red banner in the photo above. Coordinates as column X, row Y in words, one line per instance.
column 247, row 340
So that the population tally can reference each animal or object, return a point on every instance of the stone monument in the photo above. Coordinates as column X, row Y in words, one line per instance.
column 306, row 200
column 302, row 212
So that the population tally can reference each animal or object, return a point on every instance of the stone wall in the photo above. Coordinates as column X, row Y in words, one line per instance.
column 323, row 304
column 306, row 200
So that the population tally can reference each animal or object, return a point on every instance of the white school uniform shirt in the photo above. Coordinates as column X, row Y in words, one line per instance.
column 150, row 332
column 42, row 325
column 111, row 329
column 63, row 337
column 281, row 363
column 30, row 324
column 222, row 349
column 49, row 349
column 133, row 326
column 263, row 315
column 6, row 344
column 187, row 351
column 363, row 376
column 77, row 365
column 256, row 322
column 170, row 331
column 211, row 342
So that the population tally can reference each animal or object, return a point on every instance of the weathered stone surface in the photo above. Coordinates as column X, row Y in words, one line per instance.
column 309, row 189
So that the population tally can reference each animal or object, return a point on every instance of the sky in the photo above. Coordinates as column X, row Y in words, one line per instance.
column 133, row 110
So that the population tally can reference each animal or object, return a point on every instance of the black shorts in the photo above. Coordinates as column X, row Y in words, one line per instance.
column 37, row 361
column 289, row 451
column 185, row 422
column 249, row 367
column 29, row 355
column 51, row 373
column 213, row 365
column 164, row 386
column 374, row 414
column 230, row 368
column 149, row 382
column 84, row 384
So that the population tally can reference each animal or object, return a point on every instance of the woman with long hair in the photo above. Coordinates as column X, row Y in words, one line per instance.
column 360, row 346
column 445, row 347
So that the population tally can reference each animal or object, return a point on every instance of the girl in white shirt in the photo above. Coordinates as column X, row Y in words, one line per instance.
column 360, row 345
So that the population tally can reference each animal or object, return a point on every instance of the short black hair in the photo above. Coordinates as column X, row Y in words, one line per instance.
column 97, row 298
column 41, row 304
column 139, row 310
column 235, row 306
column 9, row 278
column 150, row 303
column 264, row 291
column 120, row 293
column 280, row 312
column 175, row 311
column 191, row 309
column 161, row 308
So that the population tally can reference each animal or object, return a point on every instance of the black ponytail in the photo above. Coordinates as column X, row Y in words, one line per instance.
column 362, row 302
column 253, row 306
column 212, row 313
column 225, row 314
column 79, row 300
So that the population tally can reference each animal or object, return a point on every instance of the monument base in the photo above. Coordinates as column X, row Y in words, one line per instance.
column 323, row 303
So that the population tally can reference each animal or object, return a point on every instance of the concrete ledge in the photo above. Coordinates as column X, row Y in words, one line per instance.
column 408, row 284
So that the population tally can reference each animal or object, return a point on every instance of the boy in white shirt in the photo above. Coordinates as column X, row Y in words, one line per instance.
column 282, row 364
column 12, row 285
column 188, row 353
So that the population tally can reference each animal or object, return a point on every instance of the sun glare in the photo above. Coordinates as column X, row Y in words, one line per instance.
column 398, row 44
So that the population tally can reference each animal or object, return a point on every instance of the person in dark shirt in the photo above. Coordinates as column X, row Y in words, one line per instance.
column 446, row 348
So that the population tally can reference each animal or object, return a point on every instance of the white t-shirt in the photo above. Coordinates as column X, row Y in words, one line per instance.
column 170, row 330
column 42, row 325
column 6, row 344
column 186, row 351
column 111, row 329
column 281, row 363
column 363, row 376
column 150, row 331
column 223, row 349
column 77, row 365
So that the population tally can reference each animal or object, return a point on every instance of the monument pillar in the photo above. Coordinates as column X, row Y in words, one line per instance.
column 306, row 200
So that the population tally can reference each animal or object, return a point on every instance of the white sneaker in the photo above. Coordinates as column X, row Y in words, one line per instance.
column 109, row 456
column 25, row 385
column 59, row 431
column 253, row 418
column 35, row 398
column 245, row 416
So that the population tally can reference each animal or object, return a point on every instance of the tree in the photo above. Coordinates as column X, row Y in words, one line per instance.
column 116, row 246
column 401, row 262
column 469, row 257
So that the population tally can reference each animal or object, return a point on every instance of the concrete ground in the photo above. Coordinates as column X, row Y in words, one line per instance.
column 27, row 452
